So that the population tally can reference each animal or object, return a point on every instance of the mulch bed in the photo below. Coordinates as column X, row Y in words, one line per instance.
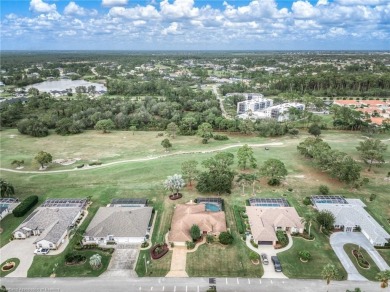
column 175, row 196
column 157, row 256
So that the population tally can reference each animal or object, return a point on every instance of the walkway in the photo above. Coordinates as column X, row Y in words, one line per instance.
column 269, row 270
column 339, row 239
column 275, row 144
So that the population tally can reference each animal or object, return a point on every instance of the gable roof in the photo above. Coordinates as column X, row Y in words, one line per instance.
column 52, row 222
column 120, row 222
column 186, row 215
column 264, row 220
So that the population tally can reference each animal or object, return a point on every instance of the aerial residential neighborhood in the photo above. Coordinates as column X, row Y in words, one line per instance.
column 195, row 145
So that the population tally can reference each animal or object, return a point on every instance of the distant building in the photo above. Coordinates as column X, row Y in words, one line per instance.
column 257, row 107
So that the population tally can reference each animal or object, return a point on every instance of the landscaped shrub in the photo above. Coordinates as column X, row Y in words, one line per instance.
column 282, row 238
column 274, row 182
column 226, row 238
column 80, row 166
column 158, row 251
column 25, row 206
column 324, row 190
column 372, row 197
column 144, row 244
column 254, row 244
column 195, row 232
column 290, row 189
column 209, row 238
column 190, row 244
column 304, row 255
column 253, row 256
column 239, row 223
column 74, row 258
column 220, row 137
column 307, row 201
column 95, row 163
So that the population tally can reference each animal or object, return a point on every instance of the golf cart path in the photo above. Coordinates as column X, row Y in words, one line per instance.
column 148, row 158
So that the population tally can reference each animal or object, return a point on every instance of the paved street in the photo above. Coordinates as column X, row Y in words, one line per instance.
column 339, row 239
column 181, row 285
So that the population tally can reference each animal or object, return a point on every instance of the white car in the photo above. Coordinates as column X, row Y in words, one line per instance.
column 42, row 251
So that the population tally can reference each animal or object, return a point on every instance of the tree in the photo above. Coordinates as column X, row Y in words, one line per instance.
column 219, row 177
column 225, row 238
column 326, row 219
column 324, row 190
column 274, row 169
column 166, row 144
column 293, row 132
column 372, row 150
column 133, row 129
column 43, row 158
column 246, row 127
column 205, row 131
column 308, row 220
column 304, row 255
column 174, row 183
column 383, row 277
column 246, row 179
column 95, row 261
column 245, row 155
column 195, row 232
column 18, row 163
column 6, row 188
column 330, row 272
column 188, row 168
column 315, row 130
column 105, row 125
column 172, row 130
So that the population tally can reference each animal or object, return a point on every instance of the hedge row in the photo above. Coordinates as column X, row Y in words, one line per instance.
column 25, row 206
column 239, row 223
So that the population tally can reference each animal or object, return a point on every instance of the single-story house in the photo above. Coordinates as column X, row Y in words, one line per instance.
column 352, row 216
column 49, row 224
column 186, row 215
column 121, row 225
column 265, row 221
column 4, row 211
column 7, row 205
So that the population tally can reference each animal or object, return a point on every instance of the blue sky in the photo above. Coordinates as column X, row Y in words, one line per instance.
column 195, row 25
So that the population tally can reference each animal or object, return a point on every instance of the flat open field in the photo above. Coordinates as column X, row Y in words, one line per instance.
column 144, row 178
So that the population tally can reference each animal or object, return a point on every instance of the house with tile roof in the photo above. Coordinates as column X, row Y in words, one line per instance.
column 119, row 225
column 265, row 221
column 49, row 224
column 352, row 216
column 186, row 215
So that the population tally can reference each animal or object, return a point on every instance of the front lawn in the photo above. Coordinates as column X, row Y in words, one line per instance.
column 385, row 253
column 369, row 273
column 321, row 254
column 156, row 268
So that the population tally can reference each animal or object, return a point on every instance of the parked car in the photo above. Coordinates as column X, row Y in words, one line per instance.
column 276, row 262
column 42, row 251
column 264, row 259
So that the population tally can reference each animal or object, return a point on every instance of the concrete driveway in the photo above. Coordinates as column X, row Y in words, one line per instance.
column 123, row 261
column 339, row 239
column 23, row 249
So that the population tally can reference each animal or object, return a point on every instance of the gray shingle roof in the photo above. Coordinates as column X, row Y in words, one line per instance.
column 120, row 222
column 53, row 222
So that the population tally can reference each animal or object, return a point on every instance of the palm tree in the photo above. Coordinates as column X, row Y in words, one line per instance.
column 308, row 220
column 330, row 272
column 6, row 189
column 383, row 277
column 95, row 261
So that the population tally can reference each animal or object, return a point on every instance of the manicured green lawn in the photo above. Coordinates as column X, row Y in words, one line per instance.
column 5, row 273
column 321, row 254
column 144, row 179
column 385, row 253
column 44, row 266
column 369, row 273
column 155, row 268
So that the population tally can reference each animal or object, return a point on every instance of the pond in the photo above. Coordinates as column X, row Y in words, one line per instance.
column 63, row 84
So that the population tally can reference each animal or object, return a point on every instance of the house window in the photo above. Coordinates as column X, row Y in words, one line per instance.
column 50, row 245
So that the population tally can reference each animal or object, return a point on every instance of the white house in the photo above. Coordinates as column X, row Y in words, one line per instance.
column 121, row 225
column 50, row 224
column 352, row 216
column 255, row 102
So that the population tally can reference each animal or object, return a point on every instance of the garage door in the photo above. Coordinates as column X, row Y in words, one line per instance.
column 265, row 242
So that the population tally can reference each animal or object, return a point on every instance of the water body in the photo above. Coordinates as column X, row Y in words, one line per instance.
column 63, row 84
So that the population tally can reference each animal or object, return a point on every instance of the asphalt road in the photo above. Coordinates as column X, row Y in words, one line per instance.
column 179, row 285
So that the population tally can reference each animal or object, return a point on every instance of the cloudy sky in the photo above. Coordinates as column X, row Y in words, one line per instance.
column 195, row 24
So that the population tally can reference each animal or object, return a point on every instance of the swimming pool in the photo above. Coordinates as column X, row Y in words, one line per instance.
column 212, row 207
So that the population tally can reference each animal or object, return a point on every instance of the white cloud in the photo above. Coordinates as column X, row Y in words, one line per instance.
column 361, row 2
column 322, row 2
column 138, row 12
column 111, row 3
column 179, row 9
column 41, row 7
column 73, row 8
column 173, row 28
column 303, row 9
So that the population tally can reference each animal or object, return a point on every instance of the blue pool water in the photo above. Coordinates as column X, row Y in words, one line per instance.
column 212, row 207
